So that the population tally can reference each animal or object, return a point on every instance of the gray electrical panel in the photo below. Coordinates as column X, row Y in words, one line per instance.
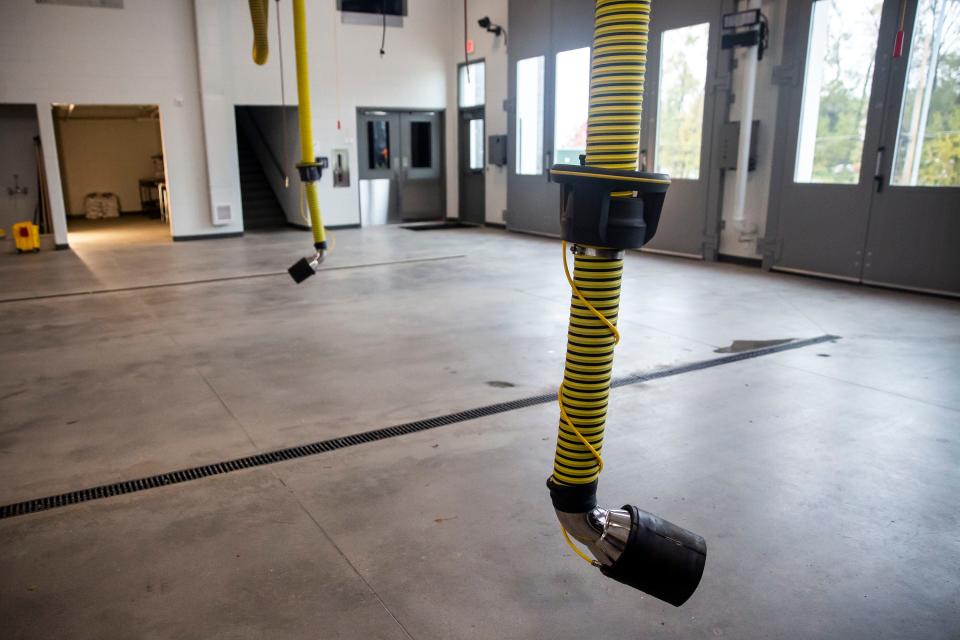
column 498, row 150
column 730, row 142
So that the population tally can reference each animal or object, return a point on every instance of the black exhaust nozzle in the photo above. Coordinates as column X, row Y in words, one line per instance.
column 660, row 558
column 301, row 270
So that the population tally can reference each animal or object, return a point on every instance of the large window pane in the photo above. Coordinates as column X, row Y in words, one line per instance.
column 928, row 139
column 836, row 90
column 476, row 143
column 530, row 116
column 471, row 85
column 683, row 81
column 571, row 105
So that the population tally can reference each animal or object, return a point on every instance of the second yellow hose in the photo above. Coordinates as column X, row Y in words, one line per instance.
column 306, row 117
column 259, row 13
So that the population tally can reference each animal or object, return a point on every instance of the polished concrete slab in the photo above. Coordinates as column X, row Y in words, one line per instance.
column 824, row 478
column 130, row 229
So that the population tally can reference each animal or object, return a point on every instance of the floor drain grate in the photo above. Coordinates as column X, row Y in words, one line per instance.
column 342, row 442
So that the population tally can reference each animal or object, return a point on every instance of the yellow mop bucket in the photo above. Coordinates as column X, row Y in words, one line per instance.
column 26, row 235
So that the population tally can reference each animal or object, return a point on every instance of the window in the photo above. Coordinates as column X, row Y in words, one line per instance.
column 683, row 81
column 471, row 85
column 530, row 116
column 571, row 105
column 476, row 144
column 928, row 138
column 420, row 145
column 378, row 144
column 836, row 90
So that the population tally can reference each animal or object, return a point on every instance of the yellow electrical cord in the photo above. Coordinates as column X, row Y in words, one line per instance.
column 576, row 550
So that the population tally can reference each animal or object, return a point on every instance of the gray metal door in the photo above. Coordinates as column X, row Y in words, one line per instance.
column 400, row 166
column 529, row 137
column 679, row 106
column 855, row 196
column 472, row 165
column 378, row 134
column 829, row 116
column 420, row 175
column 560, row 33
column 914, row 220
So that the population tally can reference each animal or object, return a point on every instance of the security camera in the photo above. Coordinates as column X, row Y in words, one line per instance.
column 495, row 29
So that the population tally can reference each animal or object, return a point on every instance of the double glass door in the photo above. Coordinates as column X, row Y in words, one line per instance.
column 549, row 83
column 400, row 167
column 867, row 167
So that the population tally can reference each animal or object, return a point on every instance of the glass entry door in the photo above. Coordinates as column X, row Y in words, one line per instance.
column 549, row 80
column 867, row 166
column 678, row 120
column 915, row 209
column 825, row 164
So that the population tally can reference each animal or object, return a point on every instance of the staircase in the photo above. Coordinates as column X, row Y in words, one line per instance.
column 261, row 210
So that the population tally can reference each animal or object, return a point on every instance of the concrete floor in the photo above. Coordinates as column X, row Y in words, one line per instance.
column 130, row 229
column 824, row 479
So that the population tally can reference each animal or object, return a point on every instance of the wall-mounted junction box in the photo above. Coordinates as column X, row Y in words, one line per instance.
column 498, row 150
column 341, row 168
column 730, row 142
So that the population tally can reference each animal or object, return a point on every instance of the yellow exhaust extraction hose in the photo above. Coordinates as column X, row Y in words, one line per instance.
column 259, row 13
column 617, row 67
column 306, row 119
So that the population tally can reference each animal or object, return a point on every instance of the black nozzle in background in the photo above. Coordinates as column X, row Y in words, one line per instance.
column 301, row 270
column 660, row 558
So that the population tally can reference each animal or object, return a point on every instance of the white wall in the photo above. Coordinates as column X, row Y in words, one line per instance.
column 741, row 240
column 494, row 53
column 144, row 53
column 107, row 155
column 346, row 72
column 18, row 126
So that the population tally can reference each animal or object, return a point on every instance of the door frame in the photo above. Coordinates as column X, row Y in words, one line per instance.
column 395, row 114
column 904, row 216
column 787, row 134
column 714, row 115
column 463, row 144
column 465, row 115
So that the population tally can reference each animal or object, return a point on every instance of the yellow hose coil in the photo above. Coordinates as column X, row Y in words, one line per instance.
column 618, row 63
column 259, row 13
column 306, row 117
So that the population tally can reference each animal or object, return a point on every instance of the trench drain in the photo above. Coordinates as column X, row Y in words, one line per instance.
column 303, row 451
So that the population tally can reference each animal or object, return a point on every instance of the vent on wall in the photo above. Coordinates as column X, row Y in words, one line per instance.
column 222, row 214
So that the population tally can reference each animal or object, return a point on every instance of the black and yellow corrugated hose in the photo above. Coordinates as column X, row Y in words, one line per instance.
column 309, row 166
column 608, row 206
column 617, row 66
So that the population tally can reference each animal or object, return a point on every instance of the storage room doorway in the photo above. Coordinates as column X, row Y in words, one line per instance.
column 113, row 174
